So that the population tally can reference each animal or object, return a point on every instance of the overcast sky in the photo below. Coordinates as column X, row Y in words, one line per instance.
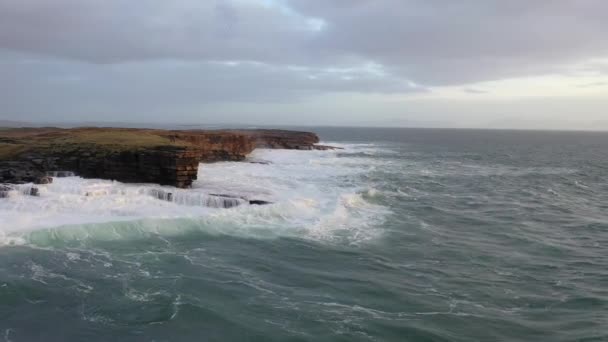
column 446, row 63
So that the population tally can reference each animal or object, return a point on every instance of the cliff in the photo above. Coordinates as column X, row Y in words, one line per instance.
column 131, row 155
column 281, row 139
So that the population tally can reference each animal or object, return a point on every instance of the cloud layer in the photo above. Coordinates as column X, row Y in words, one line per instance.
column 277, row 50
column 433, row 41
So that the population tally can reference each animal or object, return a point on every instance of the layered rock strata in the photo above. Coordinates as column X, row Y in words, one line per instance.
column 131, row 155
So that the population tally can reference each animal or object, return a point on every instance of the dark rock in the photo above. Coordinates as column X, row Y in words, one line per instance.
column 5, row 190
column 19, row 172
column 167, row 166
column 44, row 180
column 162, row 195
column 223, row 202
column 60, row 174
column 224, row 195
column 251, row 202
column 326, row 148
column 259, row 202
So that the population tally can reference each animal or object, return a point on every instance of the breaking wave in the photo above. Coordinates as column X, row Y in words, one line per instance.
column 319, row 195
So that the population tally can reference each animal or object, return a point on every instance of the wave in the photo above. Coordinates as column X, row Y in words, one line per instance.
column 318, row 195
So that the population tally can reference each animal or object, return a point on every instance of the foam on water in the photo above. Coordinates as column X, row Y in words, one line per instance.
column 315, row 194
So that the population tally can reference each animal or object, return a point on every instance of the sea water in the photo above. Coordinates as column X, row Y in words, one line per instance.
column 401, row 235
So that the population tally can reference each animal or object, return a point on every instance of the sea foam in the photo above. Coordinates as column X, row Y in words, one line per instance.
column 314, row 194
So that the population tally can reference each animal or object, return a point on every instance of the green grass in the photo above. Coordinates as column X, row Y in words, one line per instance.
column 126, row 139
column 8, row 151
column 17, row 141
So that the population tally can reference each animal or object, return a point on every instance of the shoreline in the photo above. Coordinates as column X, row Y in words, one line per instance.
column 163, row 157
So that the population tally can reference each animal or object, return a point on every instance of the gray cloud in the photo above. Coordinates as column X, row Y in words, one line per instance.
column 452, row 42
column 102, row 31
column 33, row 86
column 430, row 42
column 111, row 56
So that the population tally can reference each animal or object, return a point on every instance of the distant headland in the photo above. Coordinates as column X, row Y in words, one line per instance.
column 165, row 157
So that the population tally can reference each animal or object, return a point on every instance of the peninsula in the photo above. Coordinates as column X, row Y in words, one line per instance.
column 165, row 157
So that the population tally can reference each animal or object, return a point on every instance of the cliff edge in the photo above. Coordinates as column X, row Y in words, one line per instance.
column 30, row 155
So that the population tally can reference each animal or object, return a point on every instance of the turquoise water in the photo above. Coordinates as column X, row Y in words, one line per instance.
column 405, row 235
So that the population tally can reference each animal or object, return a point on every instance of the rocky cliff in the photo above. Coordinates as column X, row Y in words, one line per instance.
column 281, row 139
column 214, row 145
column 131, row 155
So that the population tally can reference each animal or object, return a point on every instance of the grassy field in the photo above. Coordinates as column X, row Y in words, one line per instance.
column 14, row 142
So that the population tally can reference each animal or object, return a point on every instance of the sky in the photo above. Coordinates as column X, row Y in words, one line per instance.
column 539, row 64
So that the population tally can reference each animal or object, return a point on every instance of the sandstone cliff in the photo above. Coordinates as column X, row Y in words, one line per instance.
column 131, row 155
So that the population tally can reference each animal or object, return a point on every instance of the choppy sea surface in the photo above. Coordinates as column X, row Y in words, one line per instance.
column 404, row 235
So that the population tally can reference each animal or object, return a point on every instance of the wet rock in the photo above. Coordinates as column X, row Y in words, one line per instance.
column 60, row 174
column 5, row 190
column 326, row 148
column 20, row 172
column 223, row 202
column 162, row 195
column 224, row 195
column 259, row 202
column 44, row 180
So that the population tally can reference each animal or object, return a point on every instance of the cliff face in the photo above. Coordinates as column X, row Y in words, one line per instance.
column 281, row 139
column 215, row 146
column 131, row 155
column 176, row 166
column 166, row 166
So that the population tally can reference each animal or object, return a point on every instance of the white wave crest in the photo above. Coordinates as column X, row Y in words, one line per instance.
column 314, row 194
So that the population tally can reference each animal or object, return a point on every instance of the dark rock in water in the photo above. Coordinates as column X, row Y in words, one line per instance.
column 240, row 200
column 44, row 180
column 224, row 195
column 60, row 174
column 21, row 172
column 259, row 202
column 326, row 148
column 162, row 195
column 211, row 200
column 224, row 201
column 5, row 190
column 251, row 202
column 263, row 162
column 34, row 192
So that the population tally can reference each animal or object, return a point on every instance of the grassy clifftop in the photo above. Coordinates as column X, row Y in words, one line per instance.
column 131, row 155
column 14, row 142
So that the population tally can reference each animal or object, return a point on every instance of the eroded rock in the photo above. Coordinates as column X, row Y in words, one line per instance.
column 131, row 155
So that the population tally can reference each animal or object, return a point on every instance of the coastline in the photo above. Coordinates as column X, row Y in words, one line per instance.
column 164, row 157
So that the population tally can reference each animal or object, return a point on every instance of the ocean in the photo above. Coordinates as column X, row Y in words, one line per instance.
column 404, row 235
